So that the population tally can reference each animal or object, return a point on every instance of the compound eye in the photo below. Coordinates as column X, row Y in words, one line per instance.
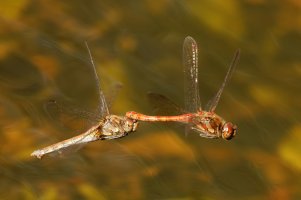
column 229, row 131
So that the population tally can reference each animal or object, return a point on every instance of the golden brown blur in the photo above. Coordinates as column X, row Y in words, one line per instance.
column 139, row 44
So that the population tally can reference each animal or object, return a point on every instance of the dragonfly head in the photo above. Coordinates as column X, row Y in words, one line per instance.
column 228, row 131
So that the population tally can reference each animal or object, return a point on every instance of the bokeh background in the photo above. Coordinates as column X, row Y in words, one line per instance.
column 139, row 44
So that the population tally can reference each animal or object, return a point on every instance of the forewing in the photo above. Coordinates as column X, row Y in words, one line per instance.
column 190, row 66
column 102, row 105
column 213, row 103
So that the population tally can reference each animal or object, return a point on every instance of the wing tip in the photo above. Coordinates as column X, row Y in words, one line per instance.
column 189, row 39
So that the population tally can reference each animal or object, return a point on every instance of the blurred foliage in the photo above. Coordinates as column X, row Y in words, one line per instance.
column 139, row 44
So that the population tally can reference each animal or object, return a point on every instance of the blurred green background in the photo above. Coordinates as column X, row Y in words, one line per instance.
column 139, row 44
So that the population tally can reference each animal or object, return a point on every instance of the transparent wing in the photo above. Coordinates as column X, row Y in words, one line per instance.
column 114, row 90
column 191, row 85
column 102, row 105
column 68, row 115
column 213, row 103
column 162, row 105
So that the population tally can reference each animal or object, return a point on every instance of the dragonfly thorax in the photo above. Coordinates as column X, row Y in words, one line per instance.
column 207, row 124
column 117, row 126
column 210, row 125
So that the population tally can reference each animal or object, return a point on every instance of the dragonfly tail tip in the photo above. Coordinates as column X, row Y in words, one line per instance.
column 36, row 154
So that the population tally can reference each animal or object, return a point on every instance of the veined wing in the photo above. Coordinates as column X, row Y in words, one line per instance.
column 213, row 103
column 190, row 66
column 102, row 105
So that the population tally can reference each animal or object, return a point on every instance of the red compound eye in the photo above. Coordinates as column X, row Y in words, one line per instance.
column 229, row 131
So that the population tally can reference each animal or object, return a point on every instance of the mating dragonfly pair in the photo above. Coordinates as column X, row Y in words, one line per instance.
column 206, row 122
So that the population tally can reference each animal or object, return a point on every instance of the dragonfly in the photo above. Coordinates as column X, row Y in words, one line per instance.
column 206, row 122
column 107, row 128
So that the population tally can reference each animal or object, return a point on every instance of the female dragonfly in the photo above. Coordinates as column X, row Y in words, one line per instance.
column 109, row 127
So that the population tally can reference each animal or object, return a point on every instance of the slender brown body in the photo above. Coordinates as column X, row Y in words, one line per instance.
column 208, row 124
column 185, row 118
